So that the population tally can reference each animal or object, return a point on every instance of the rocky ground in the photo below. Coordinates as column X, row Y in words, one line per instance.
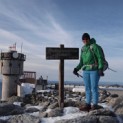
column 45, row 105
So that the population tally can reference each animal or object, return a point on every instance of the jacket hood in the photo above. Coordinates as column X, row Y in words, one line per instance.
column 92, row 41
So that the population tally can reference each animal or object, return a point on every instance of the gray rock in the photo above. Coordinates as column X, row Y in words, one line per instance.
column 69, row 103
column 31, row 110
column 116, row 101
column 108, row 119
column 55, row 112
column 3, row 121
column 119, row 109
column 28, row 105
column 120, row 118
column 43, row 109
column 102, row 98
column 114, row 95
column 43, row 114
column 27, row 99
column 14, row 99
column 24, row 118
column 82, row 119
column 44, row 105
column 100, row 112
column 103, row 95
column 90, row 119
column 79, row 103
column 117, row 104
column 10, row 109
column 54, row 105
column 83, row 94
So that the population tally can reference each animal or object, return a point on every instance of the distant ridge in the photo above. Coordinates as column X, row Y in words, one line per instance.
column 103, row 83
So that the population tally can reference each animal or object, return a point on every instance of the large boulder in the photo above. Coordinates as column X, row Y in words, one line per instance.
column 31, row 110
column 53, row 105
column 24, row 118
column 102, row 112
column 95, row 116
column 119, row 109
column 107, row 119
column 3, row 121
column 103, row 94
column 51, row 113
column 10, row 109
column 115, row 101
column 81, row 119
column 55, row 112
column 90, row 119
column 44, row 104
column 14, row 99
column 117, row 105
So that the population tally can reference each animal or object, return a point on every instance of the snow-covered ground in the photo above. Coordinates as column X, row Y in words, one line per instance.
column 68, row 112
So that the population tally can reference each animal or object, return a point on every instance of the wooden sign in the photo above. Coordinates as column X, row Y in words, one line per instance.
column 62, row 53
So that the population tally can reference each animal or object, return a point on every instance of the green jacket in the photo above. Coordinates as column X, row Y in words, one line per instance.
column 90, row 59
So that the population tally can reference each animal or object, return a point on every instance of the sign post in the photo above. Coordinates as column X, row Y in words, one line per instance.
column 61, row 81
column 61, row 54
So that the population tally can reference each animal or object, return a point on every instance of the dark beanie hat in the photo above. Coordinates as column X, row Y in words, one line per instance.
column 85, row 36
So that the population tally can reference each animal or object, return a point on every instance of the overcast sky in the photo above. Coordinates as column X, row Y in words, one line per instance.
column 48, row 23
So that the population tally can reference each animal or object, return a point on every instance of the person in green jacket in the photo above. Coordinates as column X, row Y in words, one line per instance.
column 91, row 62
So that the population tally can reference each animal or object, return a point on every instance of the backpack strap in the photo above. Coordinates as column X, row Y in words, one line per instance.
column 91, row 49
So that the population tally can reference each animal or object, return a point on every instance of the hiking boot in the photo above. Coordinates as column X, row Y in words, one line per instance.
column 95, row 107
column 85, row 107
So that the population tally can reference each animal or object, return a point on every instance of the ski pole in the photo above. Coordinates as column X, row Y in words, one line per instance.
column 112, row 69
column 80, row 75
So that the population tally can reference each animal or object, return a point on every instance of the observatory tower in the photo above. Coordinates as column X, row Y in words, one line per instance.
column 11, row 64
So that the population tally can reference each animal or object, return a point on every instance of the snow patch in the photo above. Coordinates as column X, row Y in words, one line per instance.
column 69, row 113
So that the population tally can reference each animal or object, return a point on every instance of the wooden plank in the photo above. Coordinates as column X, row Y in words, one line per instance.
column 62, row 53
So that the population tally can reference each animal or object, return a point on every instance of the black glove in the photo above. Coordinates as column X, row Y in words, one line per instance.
column 75, row 72
column 101, row 72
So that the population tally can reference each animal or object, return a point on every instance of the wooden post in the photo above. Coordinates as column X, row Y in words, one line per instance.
column 61, row 81
column 61, row 54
